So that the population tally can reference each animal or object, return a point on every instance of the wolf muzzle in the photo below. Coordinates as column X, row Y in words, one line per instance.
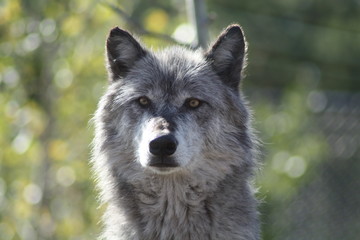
column 162, row 148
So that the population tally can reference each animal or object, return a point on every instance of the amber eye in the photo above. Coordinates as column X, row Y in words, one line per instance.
column 144, row 101
column 193, row 103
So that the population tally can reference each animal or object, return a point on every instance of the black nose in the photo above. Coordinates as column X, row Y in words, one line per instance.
column 163, row 146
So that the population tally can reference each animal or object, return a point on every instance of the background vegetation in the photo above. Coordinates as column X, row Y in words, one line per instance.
column 302, row 80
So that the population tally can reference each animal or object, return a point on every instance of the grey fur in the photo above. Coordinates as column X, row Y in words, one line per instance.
column 209, row 194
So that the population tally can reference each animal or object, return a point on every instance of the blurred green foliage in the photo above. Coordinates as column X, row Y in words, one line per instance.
column 52, row 74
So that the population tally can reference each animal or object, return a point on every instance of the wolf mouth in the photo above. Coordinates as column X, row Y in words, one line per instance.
column 163, row 162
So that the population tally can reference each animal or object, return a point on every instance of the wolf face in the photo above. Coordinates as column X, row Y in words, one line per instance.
column 170, row 110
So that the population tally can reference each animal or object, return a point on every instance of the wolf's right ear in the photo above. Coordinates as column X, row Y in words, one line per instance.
column 122, row 52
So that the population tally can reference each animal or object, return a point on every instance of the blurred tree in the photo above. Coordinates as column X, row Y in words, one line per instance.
column 46, row 47
column 284, row 35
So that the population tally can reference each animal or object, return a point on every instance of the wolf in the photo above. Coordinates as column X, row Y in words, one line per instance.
column 174, row 151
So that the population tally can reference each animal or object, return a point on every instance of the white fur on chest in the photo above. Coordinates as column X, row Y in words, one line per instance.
column 172, row 208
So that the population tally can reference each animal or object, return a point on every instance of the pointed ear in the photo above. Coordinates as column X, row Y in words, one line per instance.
column 228, row 55
column 122, row 52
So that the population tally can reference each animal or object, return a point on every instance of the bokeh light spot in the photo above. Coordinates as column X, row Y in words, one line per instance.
column 65, row 176
column 32, row 193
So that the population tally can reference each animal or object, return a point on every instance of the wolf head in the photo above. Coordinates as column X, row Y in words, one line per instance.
column 175, row 110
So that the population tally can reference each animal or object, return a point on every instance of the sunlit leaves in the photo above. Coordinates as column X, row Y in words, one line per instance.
column 58, row 149
column 156, row 20
column 293, row 146
column 73, row 25
column 40, row 143
column 9, row 10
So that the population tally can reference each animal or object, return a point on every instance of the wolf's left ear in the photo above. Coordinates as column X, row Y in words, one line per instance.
column 122, row 52
column 228, row 55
